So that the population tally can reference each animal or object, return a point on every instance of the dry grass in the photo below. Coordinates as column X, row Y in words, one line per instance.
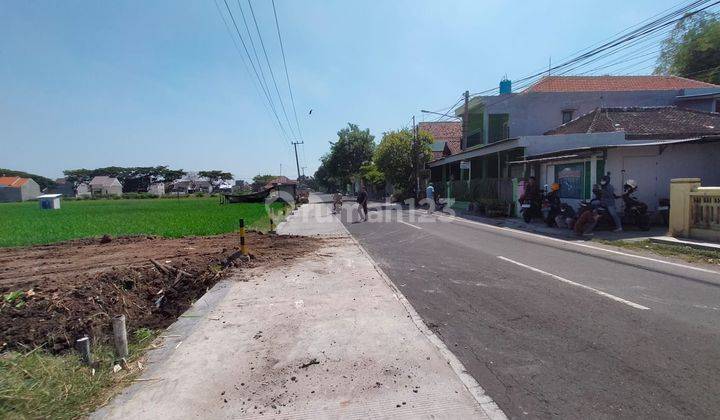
column 37, row 384
column 683, row 252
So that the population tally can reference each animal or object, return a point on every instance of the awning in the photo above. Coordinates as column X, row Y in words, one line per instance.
column 575, row 152
column 478, row 151
column 546, row 158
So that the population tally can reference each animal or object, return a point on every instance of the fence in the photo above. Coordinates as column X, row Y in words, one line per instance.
column 694, row 210
column 487, row 193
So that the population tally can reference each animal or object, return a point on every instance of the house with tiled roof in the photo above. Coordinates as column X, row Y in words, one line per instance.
column 650, row 145
column 494, row 123
column 447, row 136
column 15, row 188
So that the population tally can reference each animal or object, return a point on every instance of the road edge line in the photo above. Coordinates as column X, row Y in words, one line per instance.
column 487, row 404
column 569, row 242
column 576, row 284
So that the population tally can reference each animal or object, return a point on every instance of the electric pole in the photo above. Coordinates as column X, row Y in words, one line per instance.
column 416, row 159
column 297, row 162
column 463, row 146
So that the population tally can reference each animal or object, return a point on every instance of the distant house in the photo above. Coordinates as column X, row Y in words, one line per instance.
column 157, row 188
column 64, row 187
column 447, row 137
column 187, row 186
column 282, row 183
column 105, row 185
column 14, row 188
column 83, row 190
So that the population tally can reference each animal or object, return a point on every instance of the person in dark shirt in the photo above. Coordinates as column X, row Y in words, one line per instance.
column 362, row 200
column 532, row 191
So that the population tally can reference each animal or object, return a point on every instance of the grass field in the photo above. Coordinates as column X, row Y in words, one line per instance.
column 26, row 224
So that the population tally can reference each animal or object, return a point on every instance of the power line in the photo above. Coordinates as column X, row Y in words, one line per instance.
column 243, row 59
column 287, row 75
column 257, row 58
column 643, row 31
column 247, row 53
column 267, row 60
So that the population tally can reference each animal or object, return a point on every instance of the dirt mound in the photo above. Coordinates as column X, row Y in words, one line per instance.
column 54, row 294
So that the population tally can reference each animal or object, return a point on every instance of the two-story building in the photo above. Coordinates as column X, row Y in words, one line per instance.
column 493, row 124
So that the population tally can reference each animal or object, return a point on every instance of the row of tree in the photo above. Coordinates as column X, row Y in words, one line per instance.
column 139, row 178
column 397, row 159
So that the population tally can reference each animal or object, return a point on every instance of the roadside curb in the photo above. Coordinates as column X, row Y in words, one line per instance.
column 478, row 393
column 679, row 242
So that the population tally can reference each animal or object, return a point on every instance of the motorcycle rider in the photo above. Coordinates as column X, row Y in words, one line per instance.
column 553, row 198
column 607, row 199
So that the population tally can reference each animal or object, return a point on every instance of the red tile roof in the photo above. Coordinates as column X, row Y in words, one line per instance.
column 281, row 180
column 614, row 83
column 448, row 131
column 13, row 181
column 655, row 123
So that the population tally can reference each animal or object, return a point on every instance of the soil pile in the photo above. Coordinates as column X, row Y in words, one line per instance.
column 54, row 294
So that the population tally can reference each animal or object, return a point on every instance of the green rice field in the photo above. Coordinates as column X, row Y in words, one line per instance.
column 26, row 224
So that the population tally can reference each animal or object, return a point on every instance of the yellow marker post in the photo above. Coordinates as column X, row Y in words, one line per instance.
column 243, row 247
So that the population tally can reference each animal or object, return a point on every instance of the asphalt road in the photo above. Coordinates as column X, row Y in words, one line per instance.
column 554, row 328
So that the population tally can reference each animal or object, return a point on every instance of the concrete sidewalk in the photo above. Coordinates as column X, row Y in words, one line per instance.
column 324, row 337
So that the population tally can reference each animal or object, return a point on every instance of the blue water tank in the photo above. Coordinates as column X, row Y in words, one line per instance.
column 505, row 87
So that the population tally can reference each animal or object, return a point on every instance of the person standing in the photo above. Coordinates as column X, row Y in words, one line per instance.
column 430, row 196
column 362, row 200
column 607, row 199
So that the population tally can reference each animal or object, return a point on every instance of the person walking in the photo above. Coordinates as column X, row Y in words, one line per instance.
column 607, row 198
column 430, row 197
column 362, row 200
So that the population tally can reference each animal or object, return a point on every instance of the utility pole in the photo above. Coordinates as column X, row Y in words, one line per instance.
column 297, row 162
column 416, row 160
column 466, row 111
column 303, row 170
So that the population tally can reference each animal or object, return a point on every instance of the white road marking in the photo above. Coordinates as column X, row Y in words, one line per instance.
column 564, row 280
column 409, row 224
column 506, row 229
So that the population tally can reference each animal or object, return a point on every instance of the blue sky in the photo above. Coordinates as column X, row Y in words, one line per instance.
column 135, row 83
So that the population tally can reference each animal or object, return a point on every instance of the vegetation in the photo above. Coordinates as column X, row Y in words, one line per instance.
column 397, row 157
column 684, row 252
column 26, row 224
column 134, row 179
column 353, row 148
column 693, row 49
column 215, row 177
column 41, row 385
column 260, row 181
column 41, row 180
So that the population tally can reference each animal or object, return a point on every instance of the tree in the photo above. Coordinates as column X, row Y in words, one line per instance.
column 323, row 179
column 216, row 177
column 372, row 175
column 353, row 148
column 693, row 49
column 397, row 156
column 134, row 179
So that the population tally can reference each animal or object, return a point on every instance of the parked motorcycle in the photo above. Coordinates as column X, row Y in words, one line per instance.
column 605, row 222
column 530, row 209
column 636, row 212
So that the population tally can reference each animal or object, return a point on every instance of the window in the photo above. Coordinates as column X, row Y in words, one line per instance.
column 717, row 105
column 499, row 127
column 567, row 116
